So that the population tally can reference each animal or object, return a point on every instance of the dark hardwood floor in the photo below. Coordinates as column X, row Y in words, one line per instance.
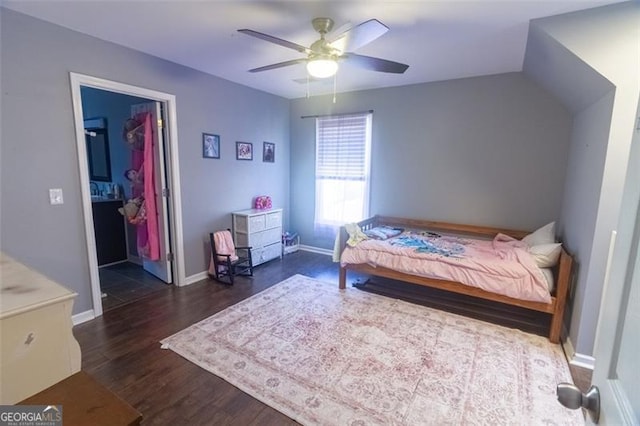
column 121, row 349
column 126, row 282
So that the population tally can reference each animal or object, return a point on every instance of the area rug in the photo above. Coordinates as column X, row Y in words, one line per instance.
column 325, row 356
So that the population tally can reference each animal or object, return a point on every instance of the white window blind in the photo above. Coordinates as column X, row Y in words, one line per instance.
column 343, row 145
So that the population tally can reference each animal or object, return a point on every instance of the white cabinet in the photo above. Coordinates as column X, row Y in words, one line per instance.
column 261, row 230
column 38, row 348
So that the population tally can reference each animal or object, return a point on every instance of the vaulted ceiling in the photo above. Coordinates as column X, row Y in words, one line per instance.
column 439, row 40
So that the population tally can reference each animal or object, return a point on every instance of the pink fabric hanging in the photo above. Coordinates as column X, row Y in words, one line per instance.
column 150, row 192
column 137, row 164
column 142, row 161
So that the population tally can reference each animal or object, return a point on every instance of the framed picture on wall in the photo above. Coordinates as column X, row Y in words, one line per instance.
column 244, row 151
column 210, row 145
column 268, row 152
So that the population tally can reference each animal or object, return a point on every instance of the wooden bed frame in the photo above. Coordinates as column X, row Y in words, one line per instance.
column 562, row 272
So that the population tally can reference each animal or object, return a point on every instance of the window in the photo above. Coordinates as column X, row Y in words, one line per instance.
column 343, row 152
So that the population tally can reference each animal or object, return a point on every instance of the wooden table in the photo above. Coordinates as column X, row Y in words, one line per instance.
column 86, row 402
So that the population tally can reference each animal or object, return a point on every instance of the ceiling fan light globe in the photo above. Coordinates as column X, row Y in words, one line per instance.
column 322, row 68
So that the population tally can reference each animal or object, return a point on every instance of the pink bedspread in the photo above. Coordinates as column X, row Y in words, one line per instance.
column 502, row 266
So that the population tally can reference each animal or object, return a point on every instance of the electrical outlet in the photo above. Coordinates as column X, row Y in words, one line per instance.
column 55, row 196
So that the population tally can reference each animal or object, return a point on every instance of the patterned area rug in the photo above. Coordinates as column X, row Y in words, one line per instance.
column 324, row 356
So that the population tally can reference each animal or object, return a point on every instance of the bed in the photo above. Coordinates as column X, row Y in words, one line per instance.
column 551, row 300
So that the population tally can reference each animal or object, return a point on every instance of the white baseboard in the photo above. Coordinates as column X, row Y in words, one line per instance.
column 579, row 360
column 584, row 361
column 83, row 317
column 197, row 277
column 316, row 250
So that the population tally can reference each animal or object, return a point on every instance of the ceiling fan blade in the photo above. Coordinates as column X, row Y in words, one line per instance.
column 375, row 64
column 279, row 65
column 359, row 35
column 276, row 40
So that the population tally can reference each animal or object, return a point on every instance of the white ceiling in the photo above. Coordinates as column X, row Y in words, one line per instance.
column 440, row 40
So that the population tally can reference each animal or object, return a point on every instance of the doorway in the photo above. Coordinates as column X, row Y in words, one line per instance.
column 113, row 194
column 115, row 185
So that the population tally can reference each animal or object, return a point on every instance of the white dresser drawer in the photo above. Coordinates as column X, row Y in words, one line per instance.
column 274, row 219
column 247, row 224
column 266, row 253
column 272, row 251
column 256, row 223
column 255, row 240
column 259, row 239
column 271, row 236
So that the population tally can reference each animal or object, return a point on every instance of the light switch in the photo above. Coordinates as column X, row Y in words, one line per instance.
column 55, row 196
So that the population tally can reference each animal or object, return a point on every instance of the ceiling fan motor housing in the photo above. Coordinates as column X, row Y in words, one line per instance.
column 322, row 48
column 322, row 25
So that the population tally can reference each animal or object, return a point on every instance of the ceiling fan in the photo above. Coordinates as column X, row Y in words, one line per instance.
column 323, row 55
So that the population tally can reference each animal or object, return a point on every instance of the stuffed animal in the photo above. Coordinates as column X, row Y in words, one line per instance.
column 131, row 208
column 133, row 133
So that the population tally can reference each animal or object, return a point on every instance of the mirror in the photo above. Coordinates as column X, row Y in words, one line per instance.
column 97, row 140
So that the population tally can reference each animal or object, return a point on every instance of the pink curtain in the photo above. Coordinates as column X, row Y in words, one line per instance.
column 147, row 234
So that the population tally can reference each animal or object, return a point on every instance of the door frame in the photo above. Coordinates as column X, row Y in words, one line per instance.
column 622, row 264
column 173, row 175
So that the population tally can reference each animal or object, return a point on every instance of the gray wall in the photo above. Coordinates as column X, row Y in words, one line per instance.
column 580, row 206
column 603, row 95
column 38, row 149
column 488, row 150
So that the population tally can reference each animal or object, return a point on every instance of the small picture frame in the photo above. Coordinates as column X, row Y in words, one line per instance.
column 244, row 151
column 268, row 152
column 210, row 145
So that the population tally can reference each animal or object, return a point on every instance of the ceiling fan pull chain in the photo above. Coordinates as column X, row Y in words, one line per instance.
column 335, row 77
column 307, row 85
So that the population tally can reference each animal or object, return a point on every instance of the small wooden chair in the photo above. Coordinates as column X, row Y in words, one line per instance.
column 226, row 258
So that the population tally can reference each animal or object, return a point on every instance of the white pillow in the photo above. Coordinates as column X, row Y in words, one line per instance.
column 548, row 276
column 544, row 235
column 546, row 255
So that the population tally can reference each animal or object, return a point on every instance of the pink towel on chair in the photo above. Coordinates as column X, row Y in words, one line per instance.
column 224, row 245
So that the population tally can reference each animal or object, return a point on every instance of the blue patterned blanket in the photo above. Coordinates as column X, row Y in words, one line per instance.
column 449, row 247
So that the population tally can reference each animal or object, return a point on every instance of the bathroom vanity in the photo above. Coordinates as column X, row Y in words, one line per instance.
column 110, row 231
